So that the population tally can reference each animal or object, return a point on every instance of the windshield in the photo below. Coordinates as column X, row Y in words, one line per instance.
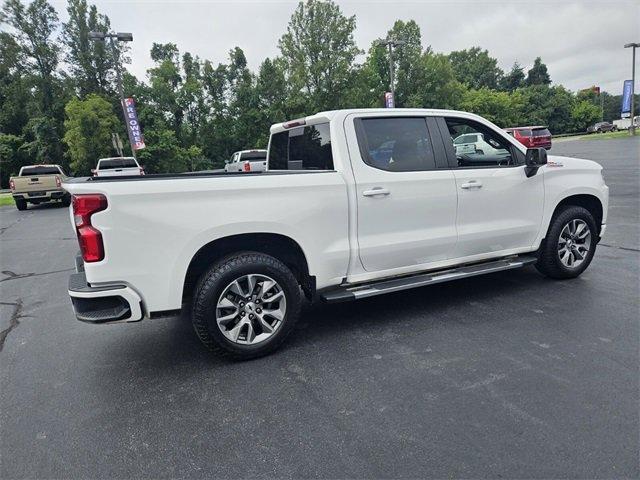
column 30, row 171
column 117, row 163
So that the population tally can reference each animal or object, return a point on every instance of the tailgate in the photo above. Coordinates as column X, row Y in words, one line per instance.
column 36, row 183
column 114, row 172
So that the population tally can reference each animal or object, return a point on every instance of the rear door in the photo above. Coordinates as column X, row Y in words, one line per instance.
column 406, row 194
column 499, row 207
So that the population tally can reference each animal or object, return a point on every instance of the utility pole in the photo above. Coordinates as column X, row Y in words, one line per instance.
column 391, row 43
column 113, row 38
column 633, row 46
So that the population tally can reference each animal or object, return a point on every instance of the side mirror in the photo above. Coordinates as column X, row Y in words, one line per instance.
column 534, row 159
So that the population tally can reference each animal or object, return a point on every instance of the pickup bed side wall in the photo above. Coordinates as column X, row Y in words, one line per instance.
column 153, row 229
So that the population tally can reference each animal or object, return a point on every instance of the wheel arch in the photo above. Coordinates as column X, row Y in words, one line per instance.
column 588, row 201
column 279, row 246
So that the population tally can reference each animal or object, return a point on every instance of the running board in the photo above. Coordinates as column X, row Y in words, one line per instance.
column 422, row 279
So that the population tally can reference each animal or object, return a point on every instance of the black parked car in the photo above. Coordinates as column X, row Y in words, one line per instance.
column 601, row 127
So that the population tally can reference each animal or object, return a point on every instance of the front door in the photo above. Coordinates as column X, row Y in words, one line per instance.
column 499, row 207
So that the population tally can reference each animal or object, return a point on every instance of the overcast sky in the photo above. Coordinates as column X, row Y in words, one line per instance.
column 580, row 41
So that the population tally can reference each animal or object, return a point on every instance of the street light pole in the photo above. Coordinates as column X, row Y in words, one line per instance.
column 389, row 42
column 113, row 38
column 633, row 46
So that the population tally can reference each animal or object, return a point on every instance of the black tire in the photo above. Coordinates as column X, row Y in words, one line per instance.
column 212, row 284
column 549, row 263
column 21, row 204
column 66, row 200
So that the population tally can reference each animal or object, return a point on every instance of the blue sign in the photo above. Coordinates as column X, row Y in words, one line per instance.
column 627, row 91
column 388, row 100
column 135, row 132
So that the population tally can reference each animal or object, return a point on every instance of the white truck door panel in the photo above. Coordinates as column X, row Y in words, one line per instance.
column 498, row 209
column 404, row 218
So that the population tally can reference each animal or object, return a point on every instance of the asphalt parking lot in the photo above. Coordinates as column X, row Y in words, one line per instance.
column 508, row 375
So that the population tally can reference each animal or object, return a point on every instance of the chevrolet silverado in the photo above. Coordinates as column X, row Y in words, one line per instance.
column 354, row 203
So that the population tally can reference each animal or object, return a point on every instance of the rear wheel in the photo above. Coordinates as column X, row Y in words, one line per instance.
column 570, row 244
column 246, row 305
column 21, row 204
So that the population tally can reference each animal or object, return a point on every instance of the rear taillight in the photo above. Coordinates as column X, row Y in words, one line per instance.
column 246, row 167
column 12, row 185
column 58, row 183
column 89, row 238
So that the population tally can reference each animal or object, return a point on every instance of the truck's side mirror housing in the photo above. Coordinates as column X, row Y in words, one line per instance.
column 534, row 159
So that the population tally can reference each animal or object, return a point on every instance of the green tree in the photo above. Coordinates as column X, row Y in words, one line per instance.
column 88, row 130
column 319, row 51
column 476, row 68
column 583, row 114
column 502, row 108
column 91, row 63
column 538, row 75
column 514, row 79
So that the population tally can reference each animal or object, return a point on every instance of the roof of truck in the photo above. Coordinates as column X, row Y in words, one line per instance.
column 329, row 115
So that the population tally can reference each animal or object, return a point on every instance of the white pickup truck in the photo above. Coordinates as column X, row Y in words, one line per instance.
column 117, row 167
column 354, row 203
column 247, row 161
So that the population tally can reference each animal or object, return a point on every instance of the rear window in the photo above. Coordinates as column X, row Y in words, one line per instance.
column 30, row 171
column 253, row 156
column 524, row 132
column 302, row 148
column 117, row 163
column 540, row 132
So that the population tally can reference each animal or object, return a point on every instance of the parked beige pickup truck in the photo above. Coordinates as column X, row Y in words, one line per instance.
column 38, row 184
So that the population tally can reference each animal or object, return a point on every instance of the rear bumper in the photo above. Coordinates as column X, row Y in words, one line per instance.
column 117, row 303
column 41, row 196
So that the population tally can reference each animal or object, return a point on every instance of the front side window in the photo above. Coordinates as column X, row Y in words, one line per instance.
column 396, row 144
column 302, row 148
column 478, row 146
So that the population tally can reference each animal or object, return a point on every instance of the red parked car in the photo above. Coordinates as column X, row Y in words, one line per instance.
column 531, row 137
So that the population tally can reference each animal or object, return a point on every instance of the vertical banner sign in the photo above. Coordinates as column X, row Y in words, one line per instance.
column 135, row 132
column 388, row 100
column 627, row 90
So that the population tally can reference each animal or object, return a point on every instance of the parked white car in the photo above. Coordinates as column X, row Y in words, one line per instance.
column 117, row 167
column 354, row 203
column 247, row 161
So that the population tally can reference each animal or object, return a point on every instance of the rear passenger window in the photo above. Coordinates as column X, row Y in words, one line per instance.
column 396, row 144
column 302, row 148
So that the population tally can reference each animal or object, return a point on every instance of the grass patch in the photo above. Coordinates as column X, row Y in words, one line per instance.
column 606, row 136
column 6, row 199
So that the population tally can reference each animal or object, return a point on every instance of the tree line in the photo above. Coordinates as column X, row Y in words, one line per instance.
column 60, row 105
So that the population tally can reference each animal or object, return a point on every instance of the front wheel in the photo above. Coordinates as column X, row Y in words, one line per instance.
column 245, row 305
column 570, row 244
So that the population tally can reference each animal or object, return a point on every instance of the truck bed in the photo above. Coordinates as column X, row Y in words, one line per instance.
column 179, row 176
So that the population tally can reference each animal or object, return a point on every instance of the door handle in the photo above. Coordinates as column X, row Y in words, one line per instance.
column 471, row 184
column 376, row 191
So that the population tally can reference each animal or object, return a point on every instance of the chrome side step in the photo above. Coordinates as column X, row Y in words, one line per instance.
column 422, row 279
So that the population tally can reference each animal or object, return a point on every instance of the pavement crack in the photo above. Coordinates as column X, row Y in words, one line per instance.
column 620, row 248
column 15, row 276
column 16, row 315
column 4, row 229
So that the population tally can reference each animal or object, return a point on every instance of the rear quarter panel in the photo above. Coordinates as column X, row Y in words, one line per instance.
column 153, row 228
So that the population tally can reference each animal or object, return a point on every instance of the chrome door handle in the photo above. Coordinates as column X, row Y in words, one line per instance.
column 376, row 191
column 471, row 184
